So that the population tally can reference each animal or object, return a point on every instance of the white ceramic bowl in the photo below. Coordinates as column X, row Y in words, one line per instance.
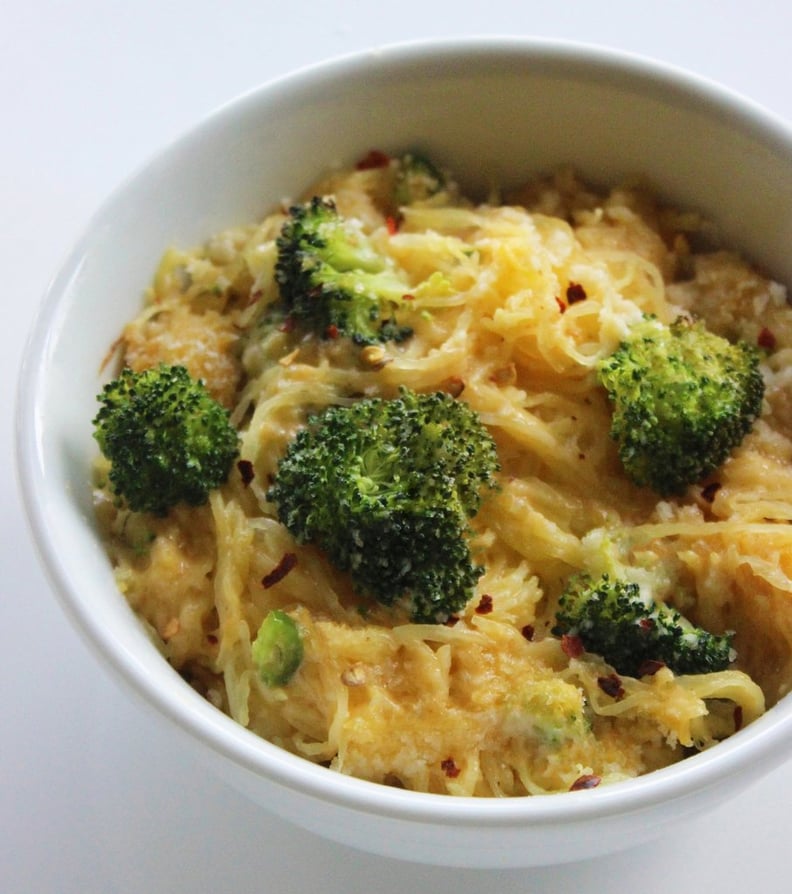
column 492, row 109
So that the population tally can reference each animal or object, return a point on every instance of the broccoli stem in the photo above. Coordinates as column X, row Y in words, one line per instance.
column 277, row 649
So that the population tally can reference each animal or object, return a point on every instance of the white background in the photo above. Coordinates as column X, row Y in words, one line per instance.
column 92, row 796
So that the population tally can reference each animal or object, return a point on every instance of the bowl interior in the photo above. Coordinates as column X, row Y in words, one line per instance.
column 493, row 111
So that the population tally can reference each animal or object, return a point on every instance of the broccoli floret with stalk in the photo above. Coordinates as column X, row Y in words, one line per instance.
column 386, row 488
column 334, row 281
column 682, row 398
column 626, row 627
column 167, row 439
column 277, row 650
column 417, row 179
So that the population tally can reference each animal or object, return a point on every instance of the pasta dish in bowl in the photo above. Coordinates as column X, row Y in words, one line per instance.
column 511, row 307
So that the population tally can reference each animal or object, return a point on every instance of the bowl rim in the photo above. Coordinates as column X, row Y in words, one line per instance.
column 762, row 739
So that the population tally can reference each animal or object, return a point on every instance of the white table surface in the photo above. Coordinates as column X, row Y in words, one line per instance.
column 92, row 796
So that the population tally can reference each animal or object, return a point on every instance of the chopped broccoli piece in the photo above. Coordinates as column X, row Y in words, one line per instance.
column 552, row 711
column 386, row 489
column 417, row 179
column 167, row 439
column 615, row 620
column 333, row 280
column 277, row 649
column 682, row 399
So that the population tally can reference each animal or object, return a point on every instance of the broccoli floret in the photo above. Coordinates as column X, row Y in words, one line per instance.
column 682, row 399
column 277, row 650
column 334, row 281
column 167, row 439
column 417, row 179
column 627, row 628
column 386, row 489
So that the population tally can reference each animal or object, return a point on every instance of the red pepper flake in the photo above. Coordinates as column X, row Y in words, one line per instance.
column 738, row 717
column 766, row 339
column 392, row 225
column 650, row 667
column 452, row 621
column 373, row 159
column 572, row 645
column 280, row 571
column 646, row 624
column 575, row 292
column 485, row 605
column 528, row 632
column 584, row 782
column 450, row 768
column 408, row 297
column 611, row 685
column 332, row 331
column 708, row 492
column 246, row 471
column 211, row 639
column 287, row 325
column 561, row 306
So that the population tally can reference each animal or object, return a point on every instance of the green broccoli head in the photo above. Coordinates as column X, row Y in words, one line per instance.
column 386, row 489
column 168, row 441
column 616, row 621
column 334, row 281
column 683, row 399
column 417, row 179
